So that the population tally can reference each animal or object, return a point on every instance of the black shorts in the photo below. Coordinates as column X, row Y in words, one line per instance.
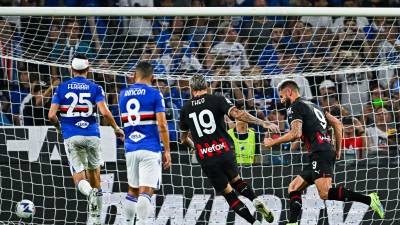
column 220, row 170
column 321, row 165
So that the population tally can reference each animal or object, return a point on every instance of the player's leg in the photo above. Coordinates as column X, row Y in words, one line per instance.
column 76, row 159
column 149, row 180
column 243, row 188
column 94, row 162
column 130, row 202
column 322, row 172
column 216, row 174
column 295, row 189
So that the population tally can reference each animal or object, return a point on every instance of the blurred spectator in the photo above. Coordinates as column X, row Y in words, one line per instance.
column 19, row 91
column 361, row 21
column 328, row 94
column 255, row 33
column 35, row 106
column 324, row 42
column 229, row 48
column 137, row 30
column 354, row 86
column 381, row 135
column 226, row 88
column 354, row 140
column 181, row 59
column 247, row 146
column 9, row 46
column 172, row 106
column 68, row 45
column 5, row 118
column 318, row 21
column 303, row 46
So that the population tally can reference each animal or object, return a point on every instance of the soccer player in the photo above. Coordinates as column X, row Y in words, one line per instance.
column 310, row 123
column 143, row 116
column 76, row 100
column 203, row 117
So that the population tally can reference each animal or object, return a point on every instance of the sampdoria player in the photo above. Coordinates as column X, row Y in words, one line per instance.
column 310, row 123
column 77, row 100
column 203, row 117
column 144, row 121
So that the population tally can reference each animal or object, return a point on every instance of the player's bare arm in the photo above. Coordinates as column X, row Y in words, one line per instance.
column 53, row 116
column 163, row 129
column 186, row 140
column 248, row 118
column 338, row 129
column 294, row 134
column 102, row 106
column 295, row 145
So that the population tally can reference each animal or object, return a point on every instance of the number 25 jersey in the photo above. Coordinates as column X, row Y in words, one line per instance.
column 77, row 99
column 139, row 104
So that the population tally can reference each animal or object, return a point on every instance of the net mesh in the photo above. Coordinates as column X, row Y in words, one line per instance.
column 347, row 65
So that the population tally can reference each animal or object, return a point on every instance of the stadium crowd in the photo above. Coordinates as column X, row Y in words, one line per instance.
column 366, row 101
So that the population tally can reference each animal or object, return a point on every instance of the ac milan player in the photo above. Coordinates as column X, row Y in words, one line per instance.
column 310, row 123
column 203, row 117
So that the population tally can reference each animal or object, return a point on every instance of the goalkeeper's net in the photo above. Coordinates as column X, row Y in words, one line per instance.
column 346, row 64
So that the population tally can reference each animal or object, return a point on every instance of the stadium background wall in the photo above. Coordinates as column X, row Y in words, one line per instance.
column 49, row 185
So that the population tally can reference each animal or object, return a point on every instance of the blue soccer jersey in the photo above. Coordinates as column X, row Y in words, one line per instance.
column 139, row 104
column 77, row 99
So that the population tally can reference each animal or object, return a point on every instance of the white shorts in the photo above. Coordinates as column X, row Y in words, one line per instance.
column 144, row 169
column 83, row 153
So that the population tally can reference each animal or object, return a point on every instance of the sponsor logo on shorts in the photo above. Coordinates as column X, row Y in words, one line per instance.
column 82, row 124
column 136, row 136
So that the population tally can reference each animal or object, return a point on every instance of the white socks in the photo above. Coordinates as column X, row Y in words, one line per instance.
column 130, row 207
column 84, row 187
column 143, row 206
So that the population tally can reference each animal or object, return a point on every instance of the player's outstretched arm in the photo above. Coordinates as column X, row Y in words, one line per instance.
column 163, row 129
column 53, row 116
column 294, row 134
column 248, row 118
column 102, row 106
column 338, row 129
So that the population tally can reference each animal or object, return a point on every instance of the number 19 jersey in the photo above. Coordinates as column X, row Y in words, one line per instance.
column 139, row 104
column 203, row 116
column 77, row 99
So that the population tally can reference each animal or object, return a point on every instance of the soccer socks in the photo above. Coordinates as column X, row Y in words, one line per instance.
column 295, row 206
column 84, row 187
column 341, row 194
column 244, row 189
column 239, row 207
column 130, row 207
column 143, row 206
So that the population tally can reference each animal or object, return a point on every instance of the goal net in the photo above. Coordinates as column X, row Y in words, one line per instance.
column 346, row 64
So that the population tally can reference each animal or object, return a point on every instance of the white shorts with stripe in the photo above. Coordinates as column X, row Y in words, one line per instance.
column 83, row 153
column 144, row 169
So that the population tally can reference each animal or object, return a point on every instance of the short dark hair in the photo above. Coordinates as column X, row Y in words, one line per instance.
column 144, row 69
column 80, row 56
column 288, row 83
column 198, row 82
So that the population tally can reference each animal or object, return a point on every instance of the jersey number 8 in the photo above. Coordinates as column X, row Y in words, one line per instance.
column 209, row 127
column 133, row 112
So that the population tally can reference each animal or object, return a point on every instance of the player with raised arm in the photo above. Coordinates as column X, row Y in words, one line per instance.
column 77, row 100
column 143, row 116
column 203, row 117
column 310, row 123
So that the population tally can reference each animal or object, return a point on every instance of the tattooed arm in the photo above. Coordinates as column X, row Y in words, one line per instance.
column 248, row 118
column 294, row 134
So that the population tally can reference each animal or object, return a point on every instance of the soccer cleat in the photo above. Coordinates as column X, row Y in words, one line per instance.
column 263, row 210
column 293, row 223
column 257, row 223
column 95, row 220
column 376, row 205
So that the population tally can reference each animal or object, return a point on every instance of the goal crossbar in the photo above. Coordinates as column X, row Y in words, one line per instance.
column 197, row 11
